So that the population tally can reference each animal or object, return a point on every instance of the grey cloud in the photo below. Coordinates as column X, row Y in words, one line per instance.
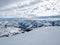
column 7, row 2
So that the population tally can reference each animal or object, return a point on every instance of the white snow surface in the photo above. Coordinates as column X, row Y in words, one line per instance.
column 38, row 36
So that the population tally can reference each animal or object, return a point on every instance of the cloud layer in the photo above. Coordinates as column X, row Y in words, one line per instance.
column 30, row 9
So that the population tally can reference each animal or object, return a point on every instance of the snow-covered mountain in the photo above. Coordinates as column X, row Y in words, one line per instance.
column 11, row 28
column 29, row 22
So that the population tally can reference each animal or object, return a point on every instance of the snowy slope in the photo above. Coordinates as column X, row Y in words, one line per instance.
column 38, row 36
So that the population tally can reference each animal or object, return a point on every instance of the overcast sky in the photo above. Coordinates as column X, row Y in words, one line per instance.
column 29, row 8
column 7, row 2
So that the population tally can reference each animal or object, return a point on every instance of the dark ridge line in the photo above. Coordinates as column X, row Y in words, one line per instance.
column 18, row 19
column 57, row 16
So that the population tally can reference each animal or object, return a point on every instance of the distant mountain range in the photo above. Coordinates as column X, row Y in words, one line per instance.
column 57, row 16
column 17, row 19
